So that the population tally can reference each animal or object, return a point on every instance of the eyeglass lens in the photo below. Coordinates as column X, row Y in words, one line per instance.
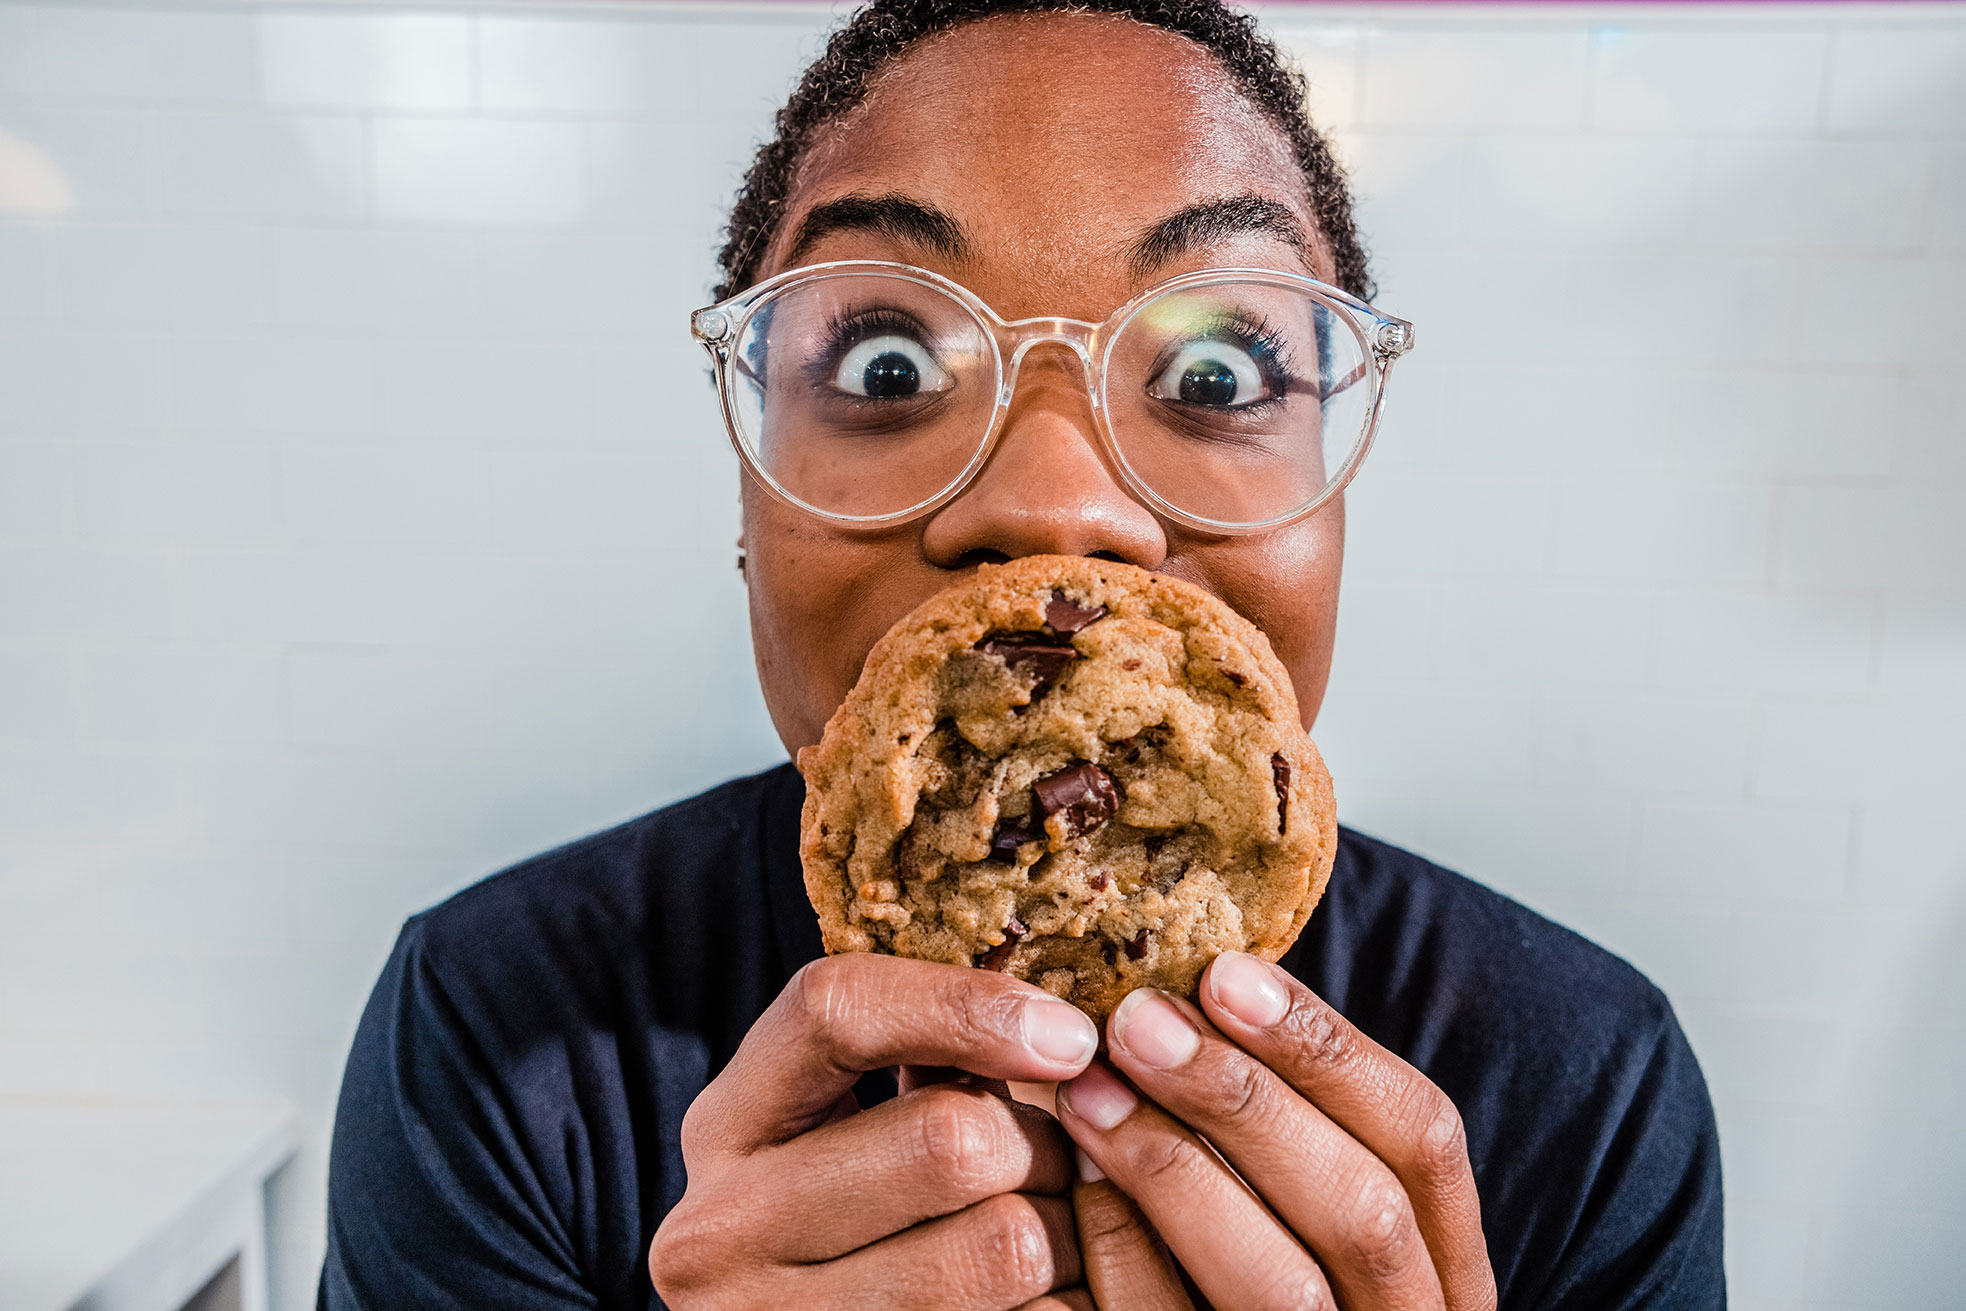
column 869, row 394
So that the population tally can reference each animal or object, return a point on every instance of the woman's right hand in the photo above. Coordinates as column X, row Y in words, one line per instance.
column 947, row 1196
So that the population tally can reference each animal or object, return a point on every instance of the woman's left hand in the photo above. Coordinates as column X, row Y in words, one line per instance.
column 1358, row 1191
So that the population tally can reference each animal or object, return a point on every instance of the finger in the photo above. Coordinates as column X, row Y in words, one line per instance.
column 845, row 1105
column 927, row 1153
column 1002, row 1252
column 910, row 1077
column 1334, row 1194
column 1233, row 1249
column 1386, row 1104
column 844, row 1015
column 1072, row 1299
column 1127, row 1267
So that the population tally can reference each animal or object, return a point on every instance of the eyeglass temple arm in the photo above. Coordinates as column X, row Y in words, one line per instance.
column 1364, row 367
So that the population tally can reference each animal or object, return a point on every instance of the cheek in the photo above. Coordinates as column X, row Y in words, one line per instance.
column 818, row 601
column 1286, row 583
column 787, row 576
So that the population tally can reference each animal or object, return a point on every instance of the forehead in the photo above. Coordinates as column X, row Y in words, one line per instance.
column 1054, row 140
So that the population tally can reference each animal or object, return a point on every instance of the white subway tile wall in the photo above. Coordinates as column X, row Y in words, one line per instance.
column 365, row 523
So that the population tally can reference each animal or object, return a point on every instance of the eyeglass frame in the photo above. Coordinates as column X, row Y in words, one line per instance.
column 720, row 326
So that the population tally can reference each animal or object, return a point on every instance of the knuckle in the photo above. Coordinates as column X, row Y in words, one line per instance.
column 690, row 1139
column 968, row 1014
column 805, row 994
column 1240, row 1089
column 679, row 1255
column 1106, row 1223
column 1442, row 1152
column 1319, row 1035
column 823, row 998
column 1383, row 1237
column 980, row 1011
column 1164, row 1160
column 959, row 1139
column 1011, row 1250
column 1295, row 1290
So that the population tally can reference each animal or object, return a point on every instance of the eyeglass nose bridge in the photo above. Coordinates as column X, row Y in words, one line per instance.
column 1024, row 335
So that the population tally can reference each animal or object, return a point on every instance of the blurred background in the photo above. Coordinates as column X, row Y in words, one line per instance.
column 356, row 465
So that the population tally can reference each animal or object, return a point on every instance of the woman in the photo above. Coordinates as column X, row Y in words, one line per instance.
column 1437, row 1100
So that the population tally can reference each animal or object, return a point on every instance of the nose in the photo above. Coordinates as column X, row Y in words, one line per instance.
column 1046, row 489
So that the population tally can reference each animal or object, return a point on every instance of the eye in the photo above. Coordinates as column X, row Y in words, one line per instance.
column 1215, row 373
column 889, row 367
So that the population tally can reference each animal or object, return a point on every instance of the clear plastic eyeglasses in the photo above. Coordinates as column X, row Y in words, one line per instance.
column 1230, row 400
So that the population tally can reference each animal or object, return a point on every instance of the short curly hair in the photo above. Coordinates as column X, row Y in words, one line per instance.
column 886, row 29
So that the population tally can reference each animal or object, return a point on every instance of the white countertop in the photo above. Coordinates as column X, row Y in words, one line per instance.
column 113, row 1204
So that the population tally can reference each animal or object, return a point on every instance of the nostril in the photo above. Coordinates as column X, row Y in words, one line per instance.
column 1114, row 556
column 979, row 555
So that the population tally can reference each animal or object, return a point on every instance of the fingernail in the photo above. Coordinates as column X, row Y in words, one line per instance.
column 1098, row 1098
column 1089, row 1169
column 1247, row 989
column 1059, row 1031
column 1149, row 1027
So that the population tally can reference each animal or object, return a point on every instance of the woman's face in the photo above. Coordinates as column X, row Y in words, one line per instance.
column 1055, row 145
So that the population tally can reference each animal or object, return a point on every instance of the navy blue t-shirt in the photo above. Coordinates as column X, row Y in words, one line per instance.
column 508, row 1129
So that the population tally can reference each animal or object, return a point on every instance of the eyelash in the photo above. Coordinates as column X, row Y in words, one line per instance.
column 1265, row 345
column 845, row 331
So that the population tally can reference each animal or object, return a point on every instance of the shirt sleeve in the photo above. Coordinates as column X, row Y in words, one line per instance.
column 1648, row 1233
column 434, row 1198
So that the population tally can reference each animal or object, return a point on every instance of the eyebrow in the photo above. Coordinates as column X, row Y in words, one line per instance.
column 1212, row 220
column 896, row 216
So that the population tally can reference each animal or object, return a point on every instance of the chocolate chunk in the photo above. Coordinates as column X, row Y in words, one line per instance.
column 1033, row 653
column 1083, row 793
column 1136, row 946
column 994, row 958
column 1280, row 775
column 1065, row 616
column 1153, row 842
column 1010, row 835
column 1097, row 880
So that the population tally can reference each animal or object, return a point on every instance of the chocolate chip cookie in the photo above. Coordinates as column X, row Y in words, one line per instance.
column 1078, row 772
